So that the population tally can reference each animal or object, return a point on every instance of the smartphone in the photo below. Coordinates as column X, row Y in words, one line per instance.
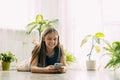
column 58, row 65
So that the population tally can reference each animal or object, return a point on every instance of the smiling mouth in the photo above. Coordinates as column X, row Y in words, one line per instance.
column 51, row 45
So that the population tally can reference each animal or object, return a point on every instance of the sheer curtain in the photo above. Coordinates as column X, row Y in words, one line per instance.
column 79, row 18
column 111, row 19
column 14, row 15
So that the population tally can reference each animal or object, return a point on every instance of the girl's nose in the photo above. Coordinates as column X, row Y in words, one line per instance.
column 52, row 40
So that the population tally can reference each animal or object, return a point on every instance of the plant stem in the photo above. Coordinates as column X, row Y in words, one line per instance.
column 39, row 34
column 91, row 49
column 39, row 31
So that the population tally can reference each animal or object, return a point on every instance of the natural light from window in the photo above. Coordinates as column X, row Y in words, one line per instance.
column 15, row 13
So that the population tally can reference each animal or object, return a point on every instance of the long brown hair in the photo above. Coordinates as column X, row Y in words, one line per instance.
column 41, row 48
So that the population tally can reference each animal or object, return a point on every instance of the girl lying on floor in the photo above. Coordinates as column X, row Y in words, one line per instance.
column 47, row 56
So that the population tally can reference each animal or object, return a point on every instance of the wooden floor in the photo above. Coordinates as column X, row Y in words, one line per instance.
column 69, row 75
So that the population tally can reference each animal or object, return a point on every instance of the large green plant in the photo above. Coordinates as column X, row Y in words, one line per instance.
column 95, row 41
column 7, row 57
column 113, row 50
column 39, row 24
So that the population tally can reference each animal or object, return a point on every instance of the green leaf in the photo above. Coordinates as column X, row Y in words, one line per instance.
column 53, row 21
column 97, row 48
column 84, row 40
column 109, row 64
column 31, row 28
column 116, row 45
column 39, row 18
column 114, row 52
column 8, row 57
column 30, row 24
column 43, row 27
column 99, row 34
column 108, row 49
column 70, row 58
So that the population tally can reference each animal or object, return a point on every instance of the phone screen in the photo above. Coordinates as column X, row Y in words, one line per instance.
column 58, row 65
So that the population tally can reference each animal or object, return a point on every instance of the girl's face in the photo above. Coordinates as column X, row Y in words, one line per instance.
column 51, row 40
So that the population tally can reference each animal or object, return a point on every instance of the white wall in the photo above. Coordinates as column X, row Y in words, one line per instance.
column 17, row 41
column 111, row 19
column 49, row 8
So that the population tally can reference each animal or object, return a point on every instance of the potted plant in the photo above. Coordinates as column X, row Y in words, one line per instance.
column 39, row 24
column 7, row 58
column 70, row 58
column 113, row 51
column 95, row 42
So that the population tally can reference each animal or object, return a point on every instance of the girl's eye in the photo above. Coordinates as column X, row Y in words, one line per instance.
column 55, row 39
column 52, row 39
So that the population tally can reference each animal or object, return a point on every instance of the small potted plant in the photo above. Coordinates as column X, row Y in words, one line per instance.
column 113, row 51
column 70, row 58
column 40, row 24
column 95, row 42
column 6, row 58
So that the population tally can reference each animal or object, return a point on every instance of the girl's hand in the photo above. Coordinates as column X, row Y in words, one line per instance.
column 53, row 69
column 61, row 69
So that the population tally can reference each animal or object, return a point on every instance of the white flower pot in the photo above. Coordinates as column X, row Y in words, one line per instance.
column 91, row 65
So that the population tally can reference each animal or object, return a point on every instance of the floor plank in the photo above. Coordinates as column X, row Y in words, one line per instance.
column 69, row 75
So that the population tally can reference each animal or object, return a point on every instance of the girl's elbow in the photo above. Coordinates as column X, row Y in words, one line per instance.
column 32, row 69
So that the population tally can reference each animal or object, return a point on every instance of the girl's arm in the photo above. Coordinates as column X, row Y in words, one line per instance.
column 64, row 64
column 50, row 68
column 35, row 69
